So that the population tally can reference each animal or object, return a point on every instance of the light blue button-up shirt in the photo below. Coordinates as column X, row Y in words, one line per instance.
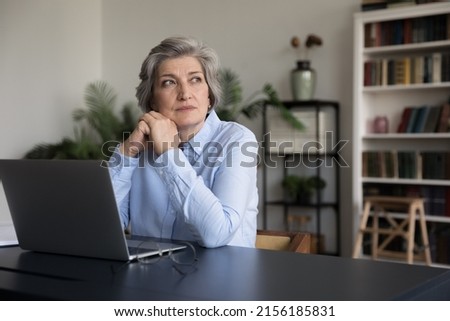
column 206, row 192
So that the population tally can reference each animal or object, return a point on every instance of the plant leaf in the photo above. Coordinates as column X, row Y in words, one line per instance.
column 285, row 112
column 100, row 99
column 231, row 98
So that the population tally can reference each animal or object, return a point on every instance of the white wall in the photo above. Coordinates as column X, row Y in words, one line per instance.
column 51, row 49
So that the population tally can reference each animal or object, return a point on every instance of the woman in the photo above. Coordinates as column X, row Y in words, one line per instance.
column 182, row 173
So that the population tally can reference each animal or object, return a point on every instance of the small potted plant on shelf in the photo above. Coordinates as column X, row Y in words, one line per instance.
column 291, row 185
column 300, row 189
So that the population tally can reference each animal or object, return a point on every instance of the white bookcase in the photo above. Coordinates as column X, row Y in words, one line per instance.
column 381, row 99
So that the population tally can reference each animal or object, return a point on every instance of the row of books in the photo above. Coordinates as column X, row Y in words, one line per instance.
column 369, row 5
column 434, row 165
column 427, row 68
column 439, row 237
column 406, row 31
column 425, row 119
column 436, row 198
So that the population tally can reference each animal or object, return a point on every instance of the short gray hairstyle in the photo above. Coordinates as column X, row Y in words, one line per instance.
column 175, row 47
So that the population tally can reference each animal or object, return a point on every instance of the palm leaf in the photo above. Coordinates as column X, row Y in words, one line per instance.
column 103, row 125
column 231, row 86
column 100, row 99
column 231, row 95
column 285, row 112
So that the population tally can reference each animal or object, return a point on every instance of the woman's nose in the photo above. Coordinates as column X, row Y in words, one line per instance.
column 184, row 92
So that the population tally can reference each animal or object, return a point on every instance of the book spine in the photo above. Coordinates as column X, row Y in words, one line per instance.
column 437, row 67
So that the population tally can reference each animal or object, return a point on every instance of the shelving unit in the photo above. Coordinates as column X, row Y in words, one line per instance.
column 389, row 100
column 308, row 153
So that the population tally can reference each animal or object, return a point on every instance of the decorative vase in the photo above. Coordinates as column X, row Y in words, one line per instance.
column 303, row 81
column 381, row 125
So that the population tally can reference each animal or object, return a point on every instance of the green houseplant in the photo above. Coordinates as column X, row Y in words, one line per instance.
column 96, row 125
column 300, row 189
column 233, row 105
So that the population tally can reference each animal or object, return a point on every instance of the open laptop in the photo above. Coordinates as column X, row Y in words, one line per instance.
column 68, row 207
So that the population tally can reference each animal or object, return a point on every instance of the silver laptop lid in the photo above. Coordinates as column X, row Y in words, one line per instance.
column 64, row 207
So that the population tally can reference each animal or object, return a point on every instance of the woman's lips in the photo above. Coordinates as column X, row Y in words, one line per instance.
column 185, row 108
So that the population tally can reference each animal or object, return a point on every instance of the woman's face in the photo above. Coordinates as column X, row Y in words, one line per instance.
column 181, row 93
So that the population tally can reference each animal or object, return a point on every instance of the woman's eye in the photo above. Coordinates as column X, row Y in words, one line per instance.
column 197, row 79
column 168, row 82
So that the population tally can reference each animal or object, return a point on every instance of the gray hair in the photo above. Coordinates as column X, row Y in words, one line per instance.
column 175, row 47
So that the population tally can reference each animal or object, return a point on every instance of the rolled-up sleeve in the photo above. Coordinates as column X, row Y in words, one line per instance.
column 121, row 169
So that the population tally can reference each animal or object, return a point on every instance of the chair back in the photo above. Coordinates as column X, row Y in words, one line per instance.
column 283, row 241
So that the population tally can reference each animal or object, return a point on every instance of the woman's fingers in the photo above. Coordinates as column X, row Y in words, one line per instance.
column 137, row 140
column 163, row 132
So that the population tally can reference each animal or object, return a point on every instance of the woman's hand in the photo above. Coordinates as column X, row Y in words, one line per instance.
column 155, row 129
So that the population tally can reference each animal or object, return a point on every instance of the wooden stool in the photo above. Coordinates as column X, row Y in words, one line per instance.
column 405, row 228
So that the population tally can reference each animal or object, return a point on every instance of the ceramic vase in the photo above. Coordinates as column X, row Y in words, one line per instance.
column 303, row 81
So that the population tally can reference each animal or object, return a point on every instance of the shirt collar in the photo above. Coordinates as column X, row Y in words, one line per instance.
column 205, row 134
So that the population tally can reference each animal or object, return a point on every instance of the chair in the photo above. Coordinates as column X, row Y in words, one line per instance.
column 283, row 241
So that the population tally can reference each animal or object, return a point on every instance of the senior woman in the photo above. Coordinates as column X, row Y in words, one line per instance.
column 183, row 173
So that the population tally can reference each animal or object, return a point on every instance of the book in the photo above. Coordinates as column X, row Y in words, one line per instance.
column 373, row 6
column 378, row 72
column 390, row 164
column 418, row 69
column 369, row 35
column 412, row 70
column 399, row 71
column 384, row 72
column 432, row 119
column 447, row 204
column 445, row 61
column 404, row 120
column 407, row 31
column 379, row 164
column 448, row 26
column 407, row 164
column 443, row 125
column 436, row 164
column 421, row 118
column 407, row 70
column 367, row 72
column 437, row 66
column 412, row 120
column 427, row 69
column 400, row 3
column 391, row 72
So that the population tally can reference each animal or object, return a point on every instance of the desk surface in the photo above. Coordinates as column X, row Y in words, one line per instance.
column 227, row 273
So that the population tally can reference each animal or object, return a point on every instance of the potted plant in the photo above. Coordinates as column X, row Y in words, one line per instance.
column 97, row 125
column 291, row 186
column 300, row 189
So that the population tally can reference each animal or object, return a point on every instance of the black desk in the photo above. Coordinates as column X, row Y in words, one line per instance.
column 228, row 273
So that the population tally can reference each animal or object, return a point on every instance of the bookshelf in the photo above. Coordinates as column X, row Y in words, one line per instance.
column 411, row 37
column 312, row 152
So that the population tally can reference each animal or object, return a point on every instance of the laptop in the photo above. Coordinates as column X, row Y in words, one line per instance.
column 68, row 207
